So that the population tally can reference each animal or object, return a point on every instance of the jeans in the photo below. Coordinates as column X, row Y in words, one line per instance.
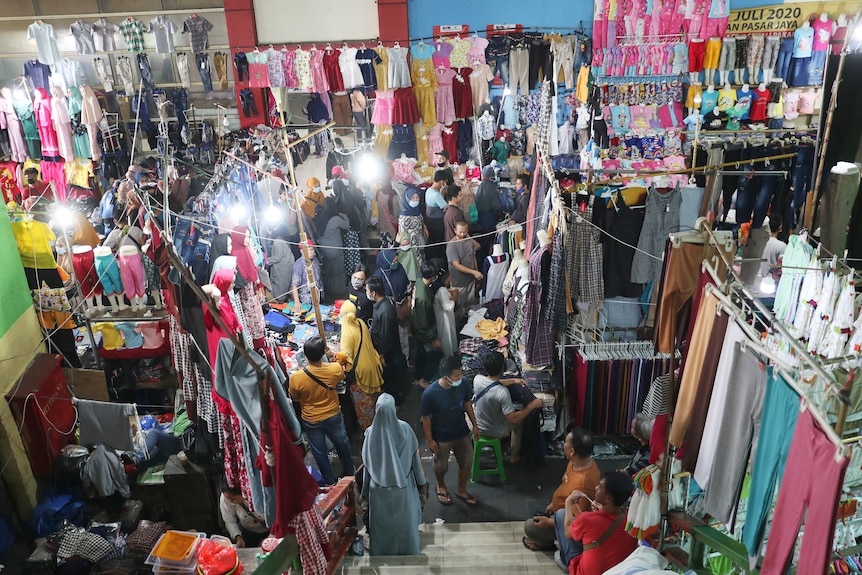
column 241, row 62
column 785, row 52
column 816, row 67
column 802, row 171
column 202, row 63
column 180, row 100
column 500, row 64
column 583, row 54
column 160, row 445
column 144, row 69
column 798, row 72
column 333, row 429
column 246, row 98
column 183, row 69
column 755, row 193
column 569, row 548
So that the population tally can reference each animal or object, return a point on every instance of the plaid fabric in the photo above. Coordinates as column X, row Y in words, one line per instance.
column 133, row 34
column 85, row 545
column 554, row 311
column 181, row 358
column 313, row 542
column 198, row 30
column 146, row 535
column 584, row 260
column 544, row 128
column 538, row 335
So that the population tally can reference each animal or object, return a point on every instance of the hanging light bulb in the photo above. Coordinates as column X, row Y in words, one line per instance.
column 64, row 217
column 225, row 122
column 239, row 212
column 273, row 214
column 368, row 167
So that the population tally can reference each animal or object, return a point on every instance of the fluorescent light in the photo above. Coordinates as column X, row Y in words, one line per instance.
column 273, row 214
column 239, row 212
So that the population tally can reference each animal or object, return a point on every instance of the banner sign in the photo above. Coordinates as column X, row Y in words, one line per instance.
column 783, row 18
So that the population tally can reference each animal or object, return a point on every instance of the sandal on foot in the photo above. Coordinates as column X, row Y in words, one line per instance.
column 468, row 499
column 530, row 544
column 444, row 498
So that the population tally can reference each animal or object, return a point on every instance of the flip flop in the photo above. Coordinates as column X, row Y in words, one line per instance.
column 444, row 498
column 530, row 544
column 469, row 500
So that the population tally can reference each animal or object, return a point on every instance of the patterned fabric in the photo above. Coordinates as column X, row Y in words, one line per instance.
column 364, row 405
column 415, row 226
column 350, row 238
column 146, row 535
column 181, row 357
column 85, row 545
column 198, row 29
column 515, row 320
column 313, row 542
column 554, row 310
column 291, row 79
column 539, row 337
column 543, row 131
column 302, row 67
column 275, row 68
column 252, row 312
column 133, row 34
column 235, row 471
column 584, row 259
column 661, row 218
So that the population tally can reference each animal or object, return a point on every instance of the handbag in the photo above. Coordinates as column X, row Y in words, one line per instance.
column 350, row 376
column 340, row 387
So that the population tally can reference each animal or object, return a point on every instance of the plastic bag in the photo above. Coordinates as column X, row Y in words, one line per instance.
column 217, row 559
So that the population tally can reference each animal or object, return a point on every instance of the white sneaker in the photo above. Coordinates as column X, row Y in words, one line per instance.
column 559, row 559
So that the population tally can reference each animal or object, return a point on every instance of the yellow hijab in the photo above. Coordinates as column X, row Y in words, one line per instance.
column 369, row 371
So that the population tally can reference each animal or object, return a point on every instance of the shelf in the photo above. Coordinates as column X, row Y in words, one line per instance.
column 114, row 14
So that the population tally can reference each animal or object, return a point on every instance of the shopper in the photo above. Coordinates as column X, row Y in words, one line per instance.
column 313, row 208
column 606, row 521
column 281, row 263
column 35, row 188
column 425, row 326
column 774, row 250
column 641, row 430
column 444, row 309
column 384, row 336
column 315, row 388
column 410, row 219
column 582, row 475
column 434, row 206
column 496, row 414
column 356, row 292
column 331, row 250
column 487, row 201
column 300, row 288
column 246, row 528
column 361, row 363
column 441, row 159
column 522, row 199
column 463, row 270
column 397, row 286
column 453, row 213
column 393, row 478
column 442, row 410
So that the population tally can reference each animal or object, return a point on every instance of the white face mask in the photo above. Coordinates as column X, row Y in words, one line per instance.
column 455, row 382
column 317, row 189
column 357, row 283
column 413, row 204
column 404, row 248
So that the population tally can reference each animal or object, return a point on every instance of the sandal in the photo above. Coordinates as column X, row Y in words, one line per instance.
column 444, row 498
column 530, row 544
column 469, row 499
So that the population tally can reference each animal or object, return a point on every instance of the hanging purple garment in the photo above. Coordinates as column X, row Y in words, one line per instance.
column 539, row 335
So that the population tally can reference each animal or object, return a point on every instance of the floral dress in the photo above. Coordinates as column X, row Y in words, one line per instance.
column 288, row 63
column 302, row 69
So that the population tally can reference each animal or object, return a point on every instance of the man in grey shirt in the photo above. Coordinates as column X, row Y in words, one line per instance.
column 774, row 249
column 496, row 414
column 463, row 269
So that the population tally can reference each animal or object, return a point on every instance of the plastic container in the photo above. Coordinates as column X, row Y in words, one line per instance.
column 175, row 550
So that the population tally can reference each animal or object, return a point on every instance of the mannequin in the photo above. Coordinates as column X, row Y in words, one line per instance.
column 760, row 104
column 823, row 28
column 695, row 93
column 154, row 285
column 91, row 115
column 517, row 260
column 495, row 268
column 132, row 271
column 84, row 263
column 566, row 135
column 109, row 276
column 9, row 119
column 726, row 98
column 62, row 123
column 807, row 101
column 697, row 46
column 744, row 99
column 803, row 43
column 839, row 34
column 708, row 100
column 500, row 150
column 519, row 141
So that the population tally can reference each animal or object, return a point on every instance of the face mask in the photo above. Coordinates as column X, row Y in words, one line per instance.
column 413, row 204
column 357, row 283
column 31, row 181
column 317, row 190
column 393, row 266
column 455, row 382
column 441, row 164
column 404, row 248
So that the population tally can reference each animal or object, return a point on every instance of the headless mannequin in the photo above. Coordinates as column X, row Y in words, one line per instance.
column 693, row 76
column 91, row 291
column 131, row 266
column 117, row 304
column 709, row 73
column 495, row 270
column 696, row 100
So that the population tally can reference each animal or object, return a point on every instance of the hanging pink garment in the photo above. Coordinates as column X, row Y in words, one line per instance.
column 10, row 121
column 45, row 124
column 62, row 123
column 54, row 173
column 91, row 115
column 318, row 72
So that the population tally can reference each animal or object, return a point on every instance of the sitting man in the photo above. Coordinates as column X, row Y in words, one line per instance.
column 496, row 414
column 246, row 528
column 582, row 475
column 595, row 541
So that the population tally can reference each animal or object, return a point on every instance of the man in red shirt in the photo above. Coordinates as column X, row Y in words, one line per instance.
column 36, row 188
column 602, row 531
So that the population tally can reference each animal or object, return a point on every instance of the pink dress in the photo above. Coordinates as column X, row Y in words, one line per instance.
column 318, row 73
column 62, row 124
column 477, row 50
column 384, row 108
column 435, row 138
column 45, row 124
column 290, row 79
column 440, row 57
column 9, row 120
column 443, row 98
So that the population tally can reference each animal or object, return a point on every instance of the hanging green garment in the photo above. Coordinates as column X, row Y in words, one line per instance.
column 28, row 123
column 80, row 138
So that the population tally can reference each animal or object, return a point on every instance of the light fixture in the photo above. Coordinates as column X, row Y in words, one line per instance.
column 767, row 285
column 64, row 217
column 368, row 167
column 507, row 91
column 857, row 32
column 697, row 100
column 273, row 214
column 225, row 122
column 239, row 212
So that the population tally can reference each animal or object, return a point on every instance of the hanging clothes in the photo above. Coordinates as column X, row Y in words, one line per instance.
column 661, row 218
column 494, row 270
column 538, row 336
column 584, row 256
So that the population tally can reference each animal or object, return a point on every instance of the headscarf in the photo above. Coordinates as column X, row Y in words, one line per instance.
column 407, row 209
column 244, row 260
column 222, row 280
column 59, row 107
column 347, row 313
column 311, row 199
column 390, row 446
column 396, row 280
column 222, row 263
column 218, row 248
column 42, row 107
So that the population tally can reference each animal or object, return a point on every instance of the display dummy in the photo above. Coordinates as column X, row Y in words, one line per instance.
column 84, row 263
column 132, row 268
column 109, row 276
column 495, row 268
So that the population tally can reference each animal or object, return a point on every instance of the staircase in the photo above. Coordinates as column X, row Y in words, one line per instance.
column 461, row 549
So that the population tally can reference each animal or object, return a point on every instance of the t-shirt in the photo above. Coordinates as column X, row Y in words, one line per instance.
column 803, row 41
column 726, row 100
column 198, row 29
column 34, row 244
column 774, row 249
column 111, row 338
column 163, row 31
column 758, row 106
column 104, row 35
column 434, row 203
column 317, row 403
column 589, row 527
column 46, row 42
column 708, row 101
column 584, row 480
column 822, row 34
column 132, row 338
column 806, row 102
column 744, row 98
column 451, row 216
column 83, row 34
column 463, row 251
column 445, row 407
column 153, row 334
column 791, row 104
column 492, row 408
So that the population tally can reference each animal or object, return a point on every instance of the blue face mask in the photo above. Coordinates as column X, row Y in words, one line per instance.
column 455, row 382
column 414, row 203
column 393, row 266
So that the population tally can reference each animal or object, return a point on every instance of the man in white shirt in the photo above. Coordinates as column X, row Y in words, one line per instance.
column 246, row 528
column 496, row 414
column 774, row 250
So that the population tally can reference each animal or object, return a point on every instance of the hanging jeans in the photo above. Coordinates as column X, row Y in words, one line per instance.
column 798, row 72
column 816, row 473
column 816, row 67
column 246, row 98
column 465, row 140
column 183, row 69
column 220, row 62
column 782, row 64
column 124, row 74
column 180, row 100
column 500, row 65
column 240, row 60
column 102, row 73
column 755, row 192
column 202, row 63
column 803, row 169
column 836, row 207
column 144, row 69
column 780, row 411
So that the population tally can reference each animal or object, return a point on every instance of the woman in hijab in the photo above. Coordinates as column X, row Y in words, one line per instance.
column 249, row 303
column 410, row 219
column 393, row 477
column 314, row 207
column 396, row 284
column 281, row 260
column 220, row 246
column 223, row 283
column 362, row 360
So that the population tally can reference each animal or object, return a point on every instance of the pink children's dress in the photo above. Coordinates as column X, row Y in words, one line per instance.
column 384, row 108
column 443, row 98
column 440, row 57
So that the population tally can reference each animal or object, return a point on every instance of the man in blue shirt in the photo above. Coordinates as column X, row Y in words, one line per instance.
column 442, row 410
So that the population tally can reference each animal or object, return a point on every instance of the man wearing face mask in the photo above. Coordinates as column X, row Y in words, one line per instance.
column 463, row 270
column 442, row 160
column 425, row 325
column 36, row 189
column 522, row 199
column 442, row 410
column 434, row 206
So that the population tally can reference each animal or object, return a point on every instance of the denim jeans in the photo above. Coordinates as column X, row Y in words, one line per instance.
column 241, row 62
column 246, row 97
column 755, row 193
column 569, row 548
column 202, row 63
column 201, row 256
column 144, row 69
column 803, row 169
column 160, row 445
column 500, row 64
column 333, row 429
column 785, row 52
column 180, row 100
column 798, row 72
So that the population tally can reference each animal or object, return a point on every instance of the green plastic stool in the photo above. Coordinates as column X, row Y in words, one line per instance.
column 478, row 447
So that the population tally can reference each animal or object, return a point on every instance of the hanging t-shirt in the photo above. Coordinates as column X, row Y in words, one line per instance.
column 791, row 104
column 83, row 35
column 34, row 244
column 759, row 105
column 822, row 34
column 806, row 102
column 132, row 338
column 726, row 100
column 46, row 42
column 198, row 29
column 163, row 31
column 744, row 99
column 708, row 101
column 803, row 41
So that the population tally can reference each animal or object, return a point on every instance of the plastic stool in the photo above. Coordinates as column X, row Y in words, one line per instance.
column 478, row 447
